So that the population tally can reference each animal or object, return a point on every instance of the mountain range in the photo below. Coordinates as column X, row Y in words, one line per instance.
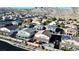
column 65, row 12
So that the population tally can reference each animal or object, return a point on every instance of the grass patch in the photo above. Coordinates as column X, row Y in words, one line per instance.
column 77, row 35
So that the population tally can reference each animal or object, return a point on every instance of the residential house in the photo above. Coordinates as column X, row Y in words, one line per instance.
column 39, row 27
column 66, row 37
column 10, row 22
column 36, row 20
column 25, row 33
column 52, row 23
column 70, row 31
column 13, row 30
column 71, row 26
column 4, row 31
column 43, row 36
column 51, row 28
column 44, row 20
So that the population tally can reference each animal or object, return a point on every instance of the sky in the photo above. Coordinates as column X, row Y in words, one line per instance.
column 38, row 3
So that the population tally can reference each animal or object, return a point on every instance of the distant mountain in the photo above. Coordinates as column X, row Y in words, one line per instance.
column 66, row 12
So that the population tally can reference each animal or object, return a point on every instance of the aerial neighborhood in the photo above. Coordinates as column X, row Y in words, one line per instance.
column 39, row 31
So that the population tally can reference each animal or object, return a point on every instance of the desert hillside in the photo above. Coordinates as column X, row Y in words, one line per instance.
column 66, row 12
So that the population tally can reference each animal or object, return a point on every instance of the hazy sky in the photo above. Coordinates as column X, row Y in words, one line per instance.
column 38, row 3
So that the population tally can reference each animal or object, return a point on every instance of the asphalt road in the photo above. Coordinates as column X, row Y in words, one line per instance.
column 7, row 47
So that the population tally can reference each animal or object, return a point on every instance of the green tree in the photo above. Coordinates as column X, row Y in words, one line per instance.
column 47, row 22
column 45, row 17
column 62, row 25
column 75, row 19
column 53, row 19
